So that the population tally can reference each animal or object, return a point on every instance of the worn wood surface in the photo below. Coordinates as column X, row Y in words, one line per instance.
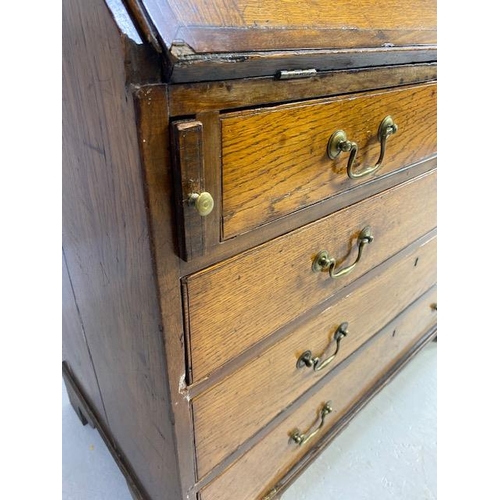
column 284, row 225
column 153, row 130
column 249, row 25
column 191, row 98
column 153, row 133
column 260, row 279
column 257, row 472
column 274, row 161
column 141, row 59
column 131, row 329
column 189, row 170
column 231, row 412
column 196, row 157
column 287, row 480
column 256, row 350
column 211, row 151
column 190, row 67
column 75, row 350
column 107, row 247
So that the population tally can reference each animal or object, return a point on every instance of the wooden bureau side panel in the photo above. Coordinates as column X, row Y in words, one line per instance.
column 75, row 350
column 256, row 473
column 234, row 410
column 274, row 161
column 107, row 247
column 276, row 280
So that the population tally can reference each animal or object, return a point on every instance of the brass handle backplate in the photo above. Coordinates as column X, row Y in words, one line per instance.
column 203, row 202
column 323, row 261
column 339, row 143
column 302, row 438
column 306, row 358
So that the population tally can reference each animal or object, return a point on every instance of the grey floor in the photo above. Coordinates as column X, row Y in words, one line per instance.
column 388, row 452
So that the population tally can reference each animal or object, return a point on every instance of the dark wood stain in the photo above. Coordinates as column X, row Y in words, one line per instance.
column 255, row 64
column 75, row 350
column 191, row 98
column 164, row 320
column 107, row 247
column 153, row 133
column 189, row 170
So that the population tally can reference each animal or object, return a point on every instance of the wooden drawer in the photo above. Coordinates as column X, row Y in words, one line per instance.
column 276, row 279
column 234, row 410
column 256, row 472
column 275, row 162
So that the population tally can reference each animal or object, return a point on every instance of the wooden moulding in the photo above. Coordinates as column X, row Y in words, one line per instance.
column 231, row 412
column 404, row 336
column 246, row 283
column 236, row 25
column 288, row 329
column 153, row 132
column 255, row 64
column 274, row 159
column 221, row 39
column 287, row 480
column 302, row 217
column 191, row 98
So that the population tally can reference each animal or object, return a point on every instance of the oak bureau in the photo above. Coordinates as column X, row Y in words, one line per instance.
column 249, row 228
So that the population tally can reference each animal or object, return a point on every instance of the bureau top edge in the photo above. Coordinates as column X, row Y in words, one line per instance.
column 201, row 40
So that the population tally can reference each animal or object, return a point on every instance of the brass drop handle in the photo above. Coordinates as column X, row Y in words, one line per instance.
column 323, row 261
column 302, row 438
column 203, row 202
column 316, row 364
column 339, row 143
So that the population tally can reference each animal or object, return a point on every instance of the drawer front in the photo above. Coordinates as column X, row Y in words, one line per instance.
column 275, row 161
column 234, row 410
column 239, row 302
column 256, row 472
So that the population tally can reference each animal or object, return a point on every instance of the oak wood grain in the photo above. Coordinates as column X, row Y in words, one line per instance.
column 130, row 335
column 211, row 151
column 190, row 67
column 191, row 98
column 419, row 14
column 282, row 226
column 248, row 25
column 75, row 349
column 189, row 178
column 256, row 350
column 106, row 243
column 260, row 279
column 232, row 411
column 274, row 161
column 260, row 469
column 153, row 133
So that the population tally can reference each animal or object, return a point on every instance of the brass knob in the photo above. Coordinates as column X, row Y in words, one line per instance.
column 203, row 202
